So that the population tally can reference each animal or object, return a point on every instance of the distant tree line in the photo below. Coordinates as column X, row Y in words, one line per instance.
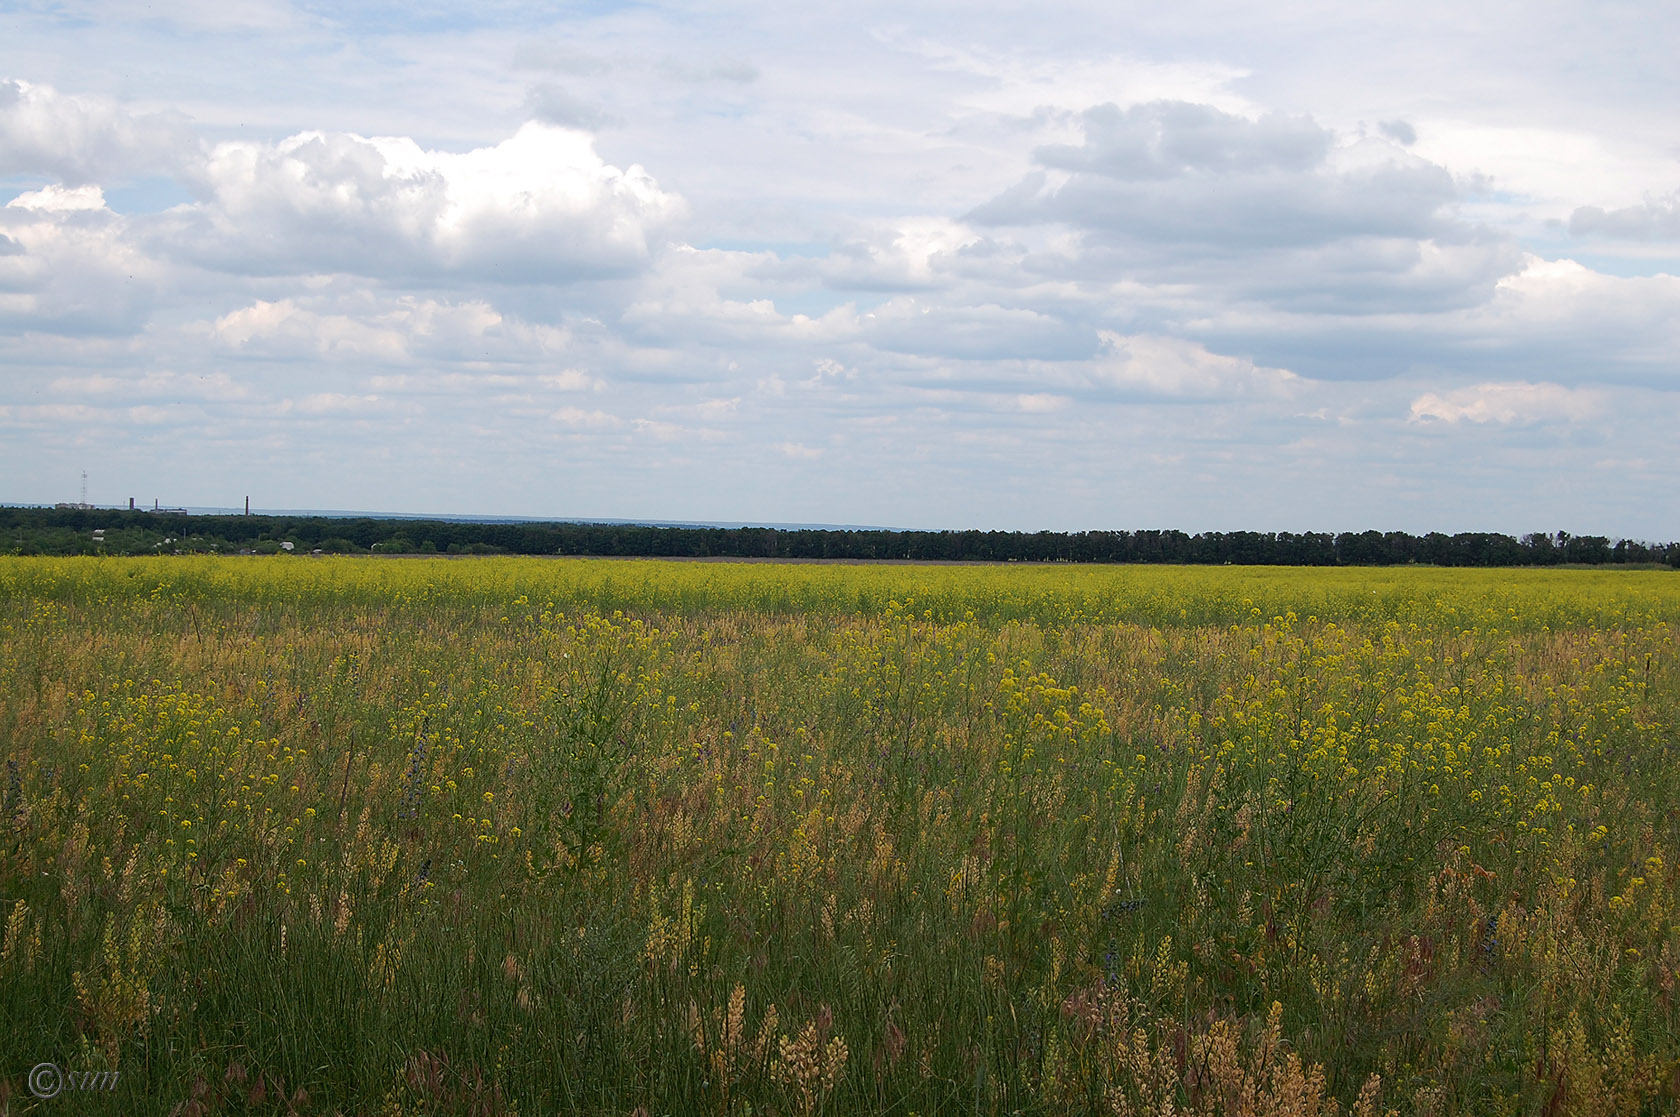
column 72, row 531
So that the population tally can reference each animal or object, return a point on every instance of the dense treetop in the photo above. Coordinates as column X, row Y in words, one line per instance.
column 72, row 531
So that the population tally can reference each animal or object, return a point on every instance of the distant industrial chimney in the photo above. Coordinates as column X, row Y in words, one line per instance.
column 131, row 504
column 247, row 506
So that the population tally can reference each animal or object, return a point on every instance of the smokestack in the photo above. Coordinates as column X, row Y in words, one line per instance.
column 131, row 504
column 247, row 506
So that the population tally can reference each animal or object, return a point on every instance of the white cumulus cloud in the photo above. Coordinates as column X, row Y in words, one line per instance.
column 586, row 419
column 541, row 206
column 60, row 199
column 403, row 329
column 1175, row 368
column 1507, row 403
column 71, row 266
column 81, row 139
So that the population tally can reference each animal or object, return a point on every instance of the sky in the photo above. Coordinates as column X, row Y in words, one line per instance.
column 1306, row 265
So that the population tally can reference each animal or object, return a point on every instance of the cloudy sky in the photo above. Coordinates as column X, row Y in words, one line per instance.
column 1206, row 265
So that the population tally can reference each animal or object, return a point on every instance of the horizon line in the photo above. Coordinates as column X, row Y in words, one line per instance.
column 471, row 518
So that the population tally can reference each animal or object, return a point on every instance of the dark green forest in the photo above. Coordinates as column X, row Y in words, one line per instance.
column 84, row 531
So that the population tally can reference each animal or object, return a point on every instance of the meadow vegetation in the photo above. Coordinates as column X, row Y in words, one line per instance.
column 287, row 835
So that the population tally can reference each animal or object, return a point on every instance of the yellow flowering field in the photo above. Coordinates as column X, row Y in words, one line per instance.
column 367, row 836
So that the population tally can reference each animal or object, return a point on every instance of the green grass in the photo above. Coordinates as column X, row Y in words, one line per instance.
column 555, row 835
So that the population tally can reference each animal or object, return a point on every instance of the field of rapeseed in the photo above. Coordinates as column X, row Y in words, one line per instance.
column 282, row 835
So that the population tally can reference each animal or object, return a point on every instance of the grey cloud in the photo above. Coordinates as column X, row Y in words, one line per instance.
column 743, row 72
column 1400, row 131
column 10, row 247
column 1359, row 275
column 1190, row 175
column 1555, row 322
column 729, row 70
column 1262, row 209
column 987, row 332
column 558, row 58
column 1170, row 139
column 554, row 104
column 1265, row 211
column 1656, row 219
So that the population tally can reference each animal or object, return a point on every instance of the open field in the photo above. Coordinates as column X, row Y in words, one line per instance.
column 510, row 835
